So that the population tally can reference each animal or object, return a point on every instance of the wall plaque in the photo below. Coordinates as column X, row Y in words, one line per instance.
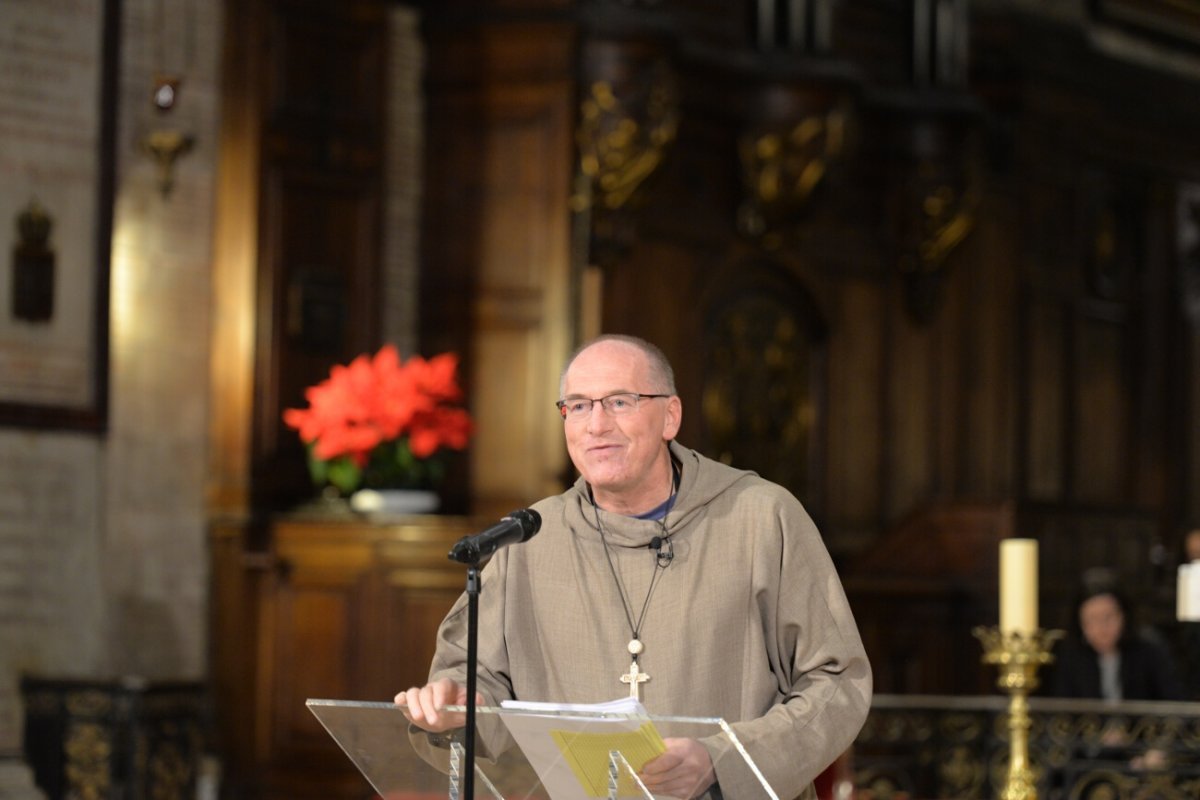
column 58, row 69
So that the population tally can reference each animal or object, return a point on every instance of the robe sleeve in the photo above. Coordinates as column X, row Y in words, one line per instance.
column 492, row 669
column 823, row 676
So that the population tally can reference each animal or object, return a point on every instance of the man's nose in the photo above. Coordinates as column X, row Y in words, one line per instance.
column 598, row 417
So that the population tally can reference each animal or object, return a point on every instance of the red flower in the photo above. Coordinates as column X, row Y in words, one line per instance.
column 378, row 400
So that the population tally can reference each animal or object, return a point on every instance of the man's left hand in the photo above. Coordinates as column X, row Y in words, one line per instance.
column 684, row 771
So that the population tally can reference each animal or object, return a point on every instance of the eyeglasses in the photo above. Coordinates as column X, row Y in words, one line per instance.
column 615, row 404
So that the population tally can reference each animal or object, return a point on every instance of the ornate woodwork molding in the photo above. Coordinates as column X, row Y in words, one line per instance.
column 784, row 162
column 925, row 147
column 622, row 139
column 628, row 118
column 91, row 740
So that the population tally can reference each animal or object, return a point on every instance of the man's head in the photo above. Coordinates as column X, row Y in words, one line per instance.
column 1191, row 545
column 1102, row 620
column 622, row 451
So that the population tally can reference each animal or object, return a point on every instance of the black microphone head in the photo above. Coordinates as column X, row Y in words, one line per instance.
column 531, row 522
column 655, row 543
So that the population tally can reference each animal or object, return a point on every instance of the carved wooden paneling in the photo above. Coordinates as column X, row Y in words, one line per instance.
column 1101, row 451
column 911, row 415
column 238, row 572
column 1045, row 373
column 761, row 361
column 114, row 738
column 855, row 467
column 334, row 608
column 299, row 211
column 496, row 273
column 321, row 206
column 921, row 588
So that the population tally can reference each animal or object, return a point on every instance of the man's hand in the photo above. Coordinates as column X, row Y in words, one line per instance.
column 424, row 706
column 684, row 771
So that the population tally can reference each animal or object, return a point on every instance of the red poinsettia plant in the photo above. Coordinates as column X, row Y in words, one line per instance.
column 380, row 422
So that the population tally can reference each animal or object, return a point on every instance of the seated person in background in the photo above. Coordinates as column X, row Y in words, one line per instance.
column 1191, row 545
column 1105, row 656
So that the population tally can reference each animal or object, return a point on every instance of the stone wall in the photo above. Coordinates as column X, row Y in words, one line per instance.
column 102, row 537
column 103, row 541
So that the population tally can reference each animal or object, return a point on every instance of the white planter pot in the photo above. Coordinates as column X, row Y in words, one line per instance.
column 394, row 502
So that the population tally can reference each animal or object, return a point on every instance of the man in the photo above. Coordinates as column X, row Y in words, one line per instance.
column 735, row 612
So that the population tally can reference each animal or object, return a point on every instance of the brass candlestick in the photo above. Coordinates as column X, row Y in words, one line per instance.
column 1018, row 656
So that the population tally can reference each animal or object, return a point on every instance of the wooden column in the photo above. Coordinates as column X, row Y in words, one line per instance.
column 496, row 248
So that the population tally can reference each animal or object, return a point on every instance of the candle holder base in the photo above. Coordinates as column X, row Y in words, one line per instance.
column 1018, row 655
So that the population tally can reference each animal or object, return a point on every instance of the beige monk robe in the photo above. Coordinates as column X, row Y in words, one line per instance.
column 748, row 623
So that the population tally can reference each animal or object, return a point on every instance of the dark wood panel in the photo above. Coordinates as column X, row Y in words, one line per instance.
column 1103, row 396
column 919, row 591
column 1046, row 393
column 319, row 248
column 344, row 610
column 1126, row 543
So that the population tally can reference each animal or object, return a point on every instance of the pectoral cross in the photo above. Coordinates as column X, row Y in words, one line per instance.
column 635, row 679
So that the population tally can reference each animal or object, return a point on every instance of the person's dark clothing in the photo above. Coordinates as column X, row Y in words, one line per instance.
column 1189, row 652
column 1147, row 671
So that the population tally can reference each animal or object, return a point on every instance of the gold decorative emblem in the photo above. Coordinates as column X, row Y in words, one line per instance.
column 622, row 138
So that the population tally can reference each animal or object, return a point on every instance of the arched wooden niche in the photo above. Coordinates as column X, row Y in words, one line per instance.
column 764, row 375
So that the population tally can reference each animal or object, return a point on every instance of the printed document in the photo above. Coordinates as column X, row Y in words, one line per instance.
column 569, row 744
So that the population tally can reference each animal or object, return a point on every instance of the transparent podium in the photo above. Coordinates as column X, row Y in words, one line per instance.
column 523, row 753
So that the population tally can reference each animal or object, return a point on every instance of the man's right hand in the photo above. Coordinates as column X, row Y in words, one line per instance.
column 424, row 705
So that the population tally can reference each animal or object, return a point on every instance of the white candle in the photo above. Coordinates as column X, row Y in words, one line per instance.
column 1018, row 586
column 1187, row 600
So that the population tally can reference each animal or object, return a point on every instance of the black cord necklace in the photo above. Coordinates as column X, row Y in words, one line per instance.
column 635, row 677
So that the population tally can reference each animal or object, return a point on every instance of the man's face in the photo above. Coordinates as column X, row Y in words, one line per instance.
column 1192, row 546
column 618, row 454
column 1101, row 619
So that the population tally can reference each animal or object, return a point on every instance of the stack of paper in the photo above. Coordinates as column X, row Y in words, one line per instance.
column 569, row 745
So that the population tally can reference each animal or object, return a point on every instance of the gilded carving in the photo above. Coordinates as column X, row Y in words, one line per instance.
column 944, row 214
column 758, row 401
column 169, row 773
column 89, row 703
column 782, row 166
column 960, row 727
column 39, row 703
column 88, row 747
column 622, row 138
column 948, row 217
column 960, row 773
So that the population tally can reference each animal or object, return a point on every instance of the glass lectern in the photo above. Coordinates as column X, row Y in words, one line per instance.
column 522, row 753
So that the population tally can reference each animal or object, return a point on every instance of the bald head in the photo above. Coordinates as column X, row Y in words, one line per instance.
column 660, row 374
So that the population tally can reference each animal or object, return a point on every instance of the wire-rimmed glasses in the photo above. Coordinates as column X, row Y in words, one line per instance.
column 615, row 404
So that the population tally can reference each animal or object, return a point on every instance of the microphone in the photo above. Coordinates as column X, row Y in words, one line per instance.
column 664, row 556
column 517, row 527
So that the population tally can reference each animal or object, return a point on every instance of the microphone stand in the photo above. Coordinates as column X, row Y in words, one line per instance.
column 473, row 586
column 467, row 551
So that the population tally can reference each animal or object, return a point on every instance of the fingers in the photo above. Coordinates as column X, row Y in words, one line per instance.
column 425, row 706
column 684, row 770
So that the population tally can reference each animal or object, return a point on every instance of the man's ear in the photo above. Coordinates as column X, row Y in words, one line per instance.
column 673, row 419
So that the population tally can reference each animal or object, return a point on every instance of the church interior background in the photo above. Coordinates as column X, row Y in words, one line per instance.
column 934, row 265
